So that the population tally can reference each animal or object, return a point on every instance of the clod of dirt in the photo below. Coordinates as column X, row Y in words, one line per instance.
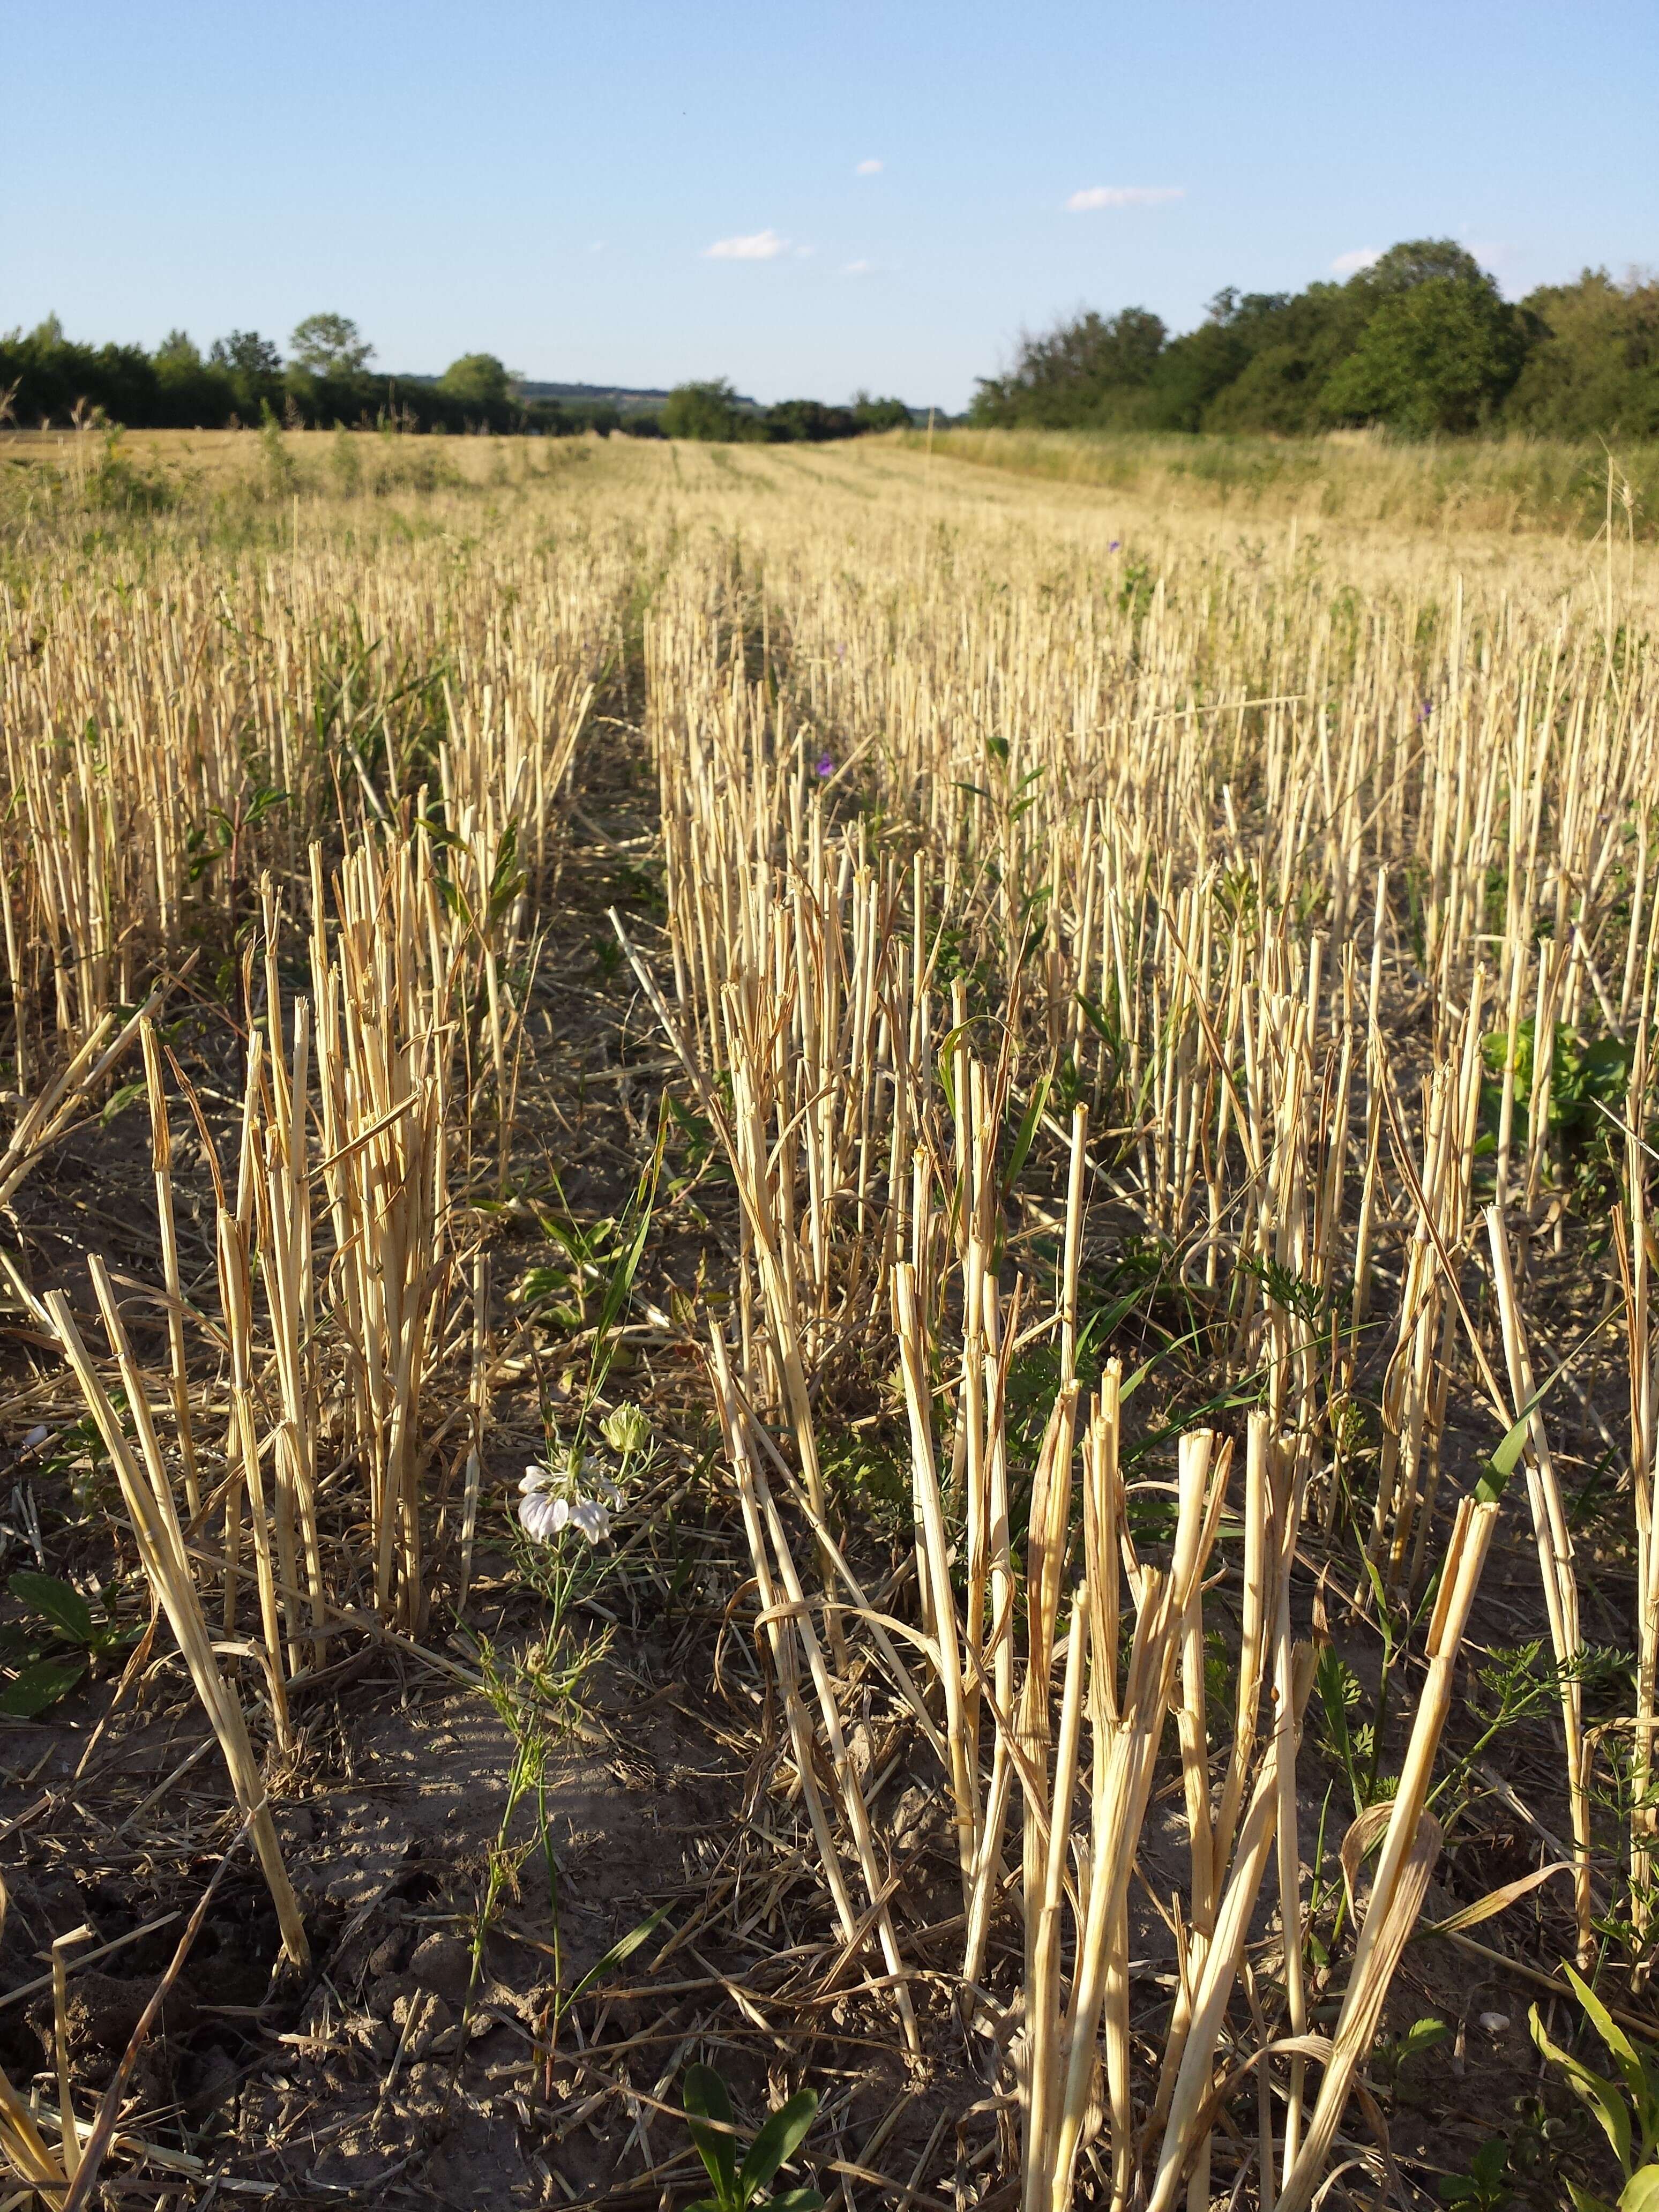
column 443, row 1965
column 216, row 2074
column 295, row 1825
column 389, row 1955
column 384, row 1997
column 429, row 2020
column 918, row 1812
column 104, row 2009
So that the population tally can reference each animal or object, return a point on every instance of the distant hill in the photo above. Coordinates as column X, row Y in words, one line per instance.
column 637, row 399
column 628, row 398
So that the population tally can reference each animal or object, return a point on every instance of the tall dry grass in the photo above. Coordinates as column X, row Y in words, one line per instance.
column 1511, row 485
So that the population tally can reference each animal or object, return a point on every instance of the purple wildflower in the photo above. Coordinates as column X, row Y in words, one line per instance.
column 1115, row 542
column 826, row 766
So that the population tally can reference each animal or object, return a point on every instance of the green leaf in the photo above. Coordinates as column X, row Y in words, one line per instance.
column 54, row 1601
column 808, row 2200
column 1593, row 2089
column 1641, row 2191
column 1028, row 1128
column 945, row 1053
column 41, row 1683
column 1098, row 1020
column 705, row 2099
column 1493, row 1485
column 1331, row 1680
column 120, row 1098
column 1624, row 2052
column 624, row 1947
column 777, row 2141
column 1491, row 2162
column 1504, row 1461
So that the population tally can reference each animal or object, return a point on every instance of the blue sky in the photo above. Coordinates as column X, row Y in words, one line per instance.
column 546, row 183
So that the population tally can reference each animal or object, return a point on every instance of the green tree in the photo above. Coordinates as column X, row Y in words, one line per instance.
column 808, row 421
column 247, row 354
column 707, row 411
column 1439, row 354
column 477, row 381
column 1089, row 370
column 879, row 414
column 179, row 354
column 329, row 345
column 1191, row 371
column 1422, row 261
column 1594, row 363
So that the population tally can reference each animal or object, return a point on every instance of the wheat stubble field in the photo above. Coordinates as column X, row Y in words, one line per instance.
column 1037, row 1109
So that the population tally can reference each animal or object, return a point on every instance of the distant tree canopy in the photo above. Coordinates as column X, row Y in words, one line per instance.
column 1070, row 368
column 713, row 412
column 46, row 378
column 707, row 411
column 1440, row 355
column 477, row 380
column 247, row 353
column 1421, row 341
column 329, row 345
column 879, row 414
column 242, row 378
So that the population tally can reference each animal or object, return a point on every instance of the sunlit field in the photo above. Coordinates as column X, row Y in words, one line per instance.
column 1026, row 1090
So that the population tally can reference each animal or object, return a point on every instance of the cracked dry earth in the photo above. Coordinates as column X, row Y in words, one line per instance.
column 394, row 2064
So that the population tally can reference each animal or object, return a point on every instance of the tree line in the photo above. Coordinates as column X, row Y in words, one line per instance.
column 243, row 379
column 712, row 410
column 1422, row 342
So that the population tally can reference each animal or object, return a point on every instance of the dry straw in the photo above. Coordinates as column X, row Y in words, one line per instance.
column 1054, row 944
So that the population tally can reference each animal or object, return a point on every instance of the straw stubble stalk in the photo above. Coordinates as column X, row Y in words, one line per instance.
column 1633, row 1241
column 785, row 1607
column 46, row 1116
column 149, row 1499
column 933, row 1570
column 1185, row 2144
column 178, row 1355
column 1128, row 1725
column 1410, row 1846
column 1124, row 831
column 1555, row 1567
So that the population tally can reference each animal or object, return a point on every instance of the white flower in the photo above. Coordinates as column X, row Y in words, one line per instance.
column 589, row 1519
column 543, row 1516
column 567, row 1492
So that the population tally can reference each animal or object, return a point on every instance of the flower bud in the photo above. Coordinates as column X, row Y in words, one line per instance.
column 626, row 1430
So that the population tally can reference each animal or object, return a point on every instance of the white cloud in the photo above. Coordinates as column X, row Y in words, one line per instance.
column 870, row 168
column 1350, row 264
column 1118, row 196
column 759, row 246
column 858, row 269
